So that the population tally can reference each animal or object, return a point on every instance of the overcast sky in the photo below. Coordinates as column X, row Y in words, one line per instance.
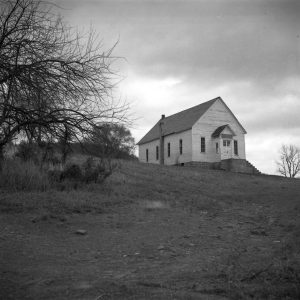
column 182, row 53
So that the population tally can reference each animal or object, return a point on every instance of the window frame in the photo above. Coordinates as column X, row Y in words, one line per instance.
column 180, row 146
column 169, row 149
column 202, row 144
column 217, row 148
column 157, row 152
column 147, row 155
column 226, row 143
column 235, row 147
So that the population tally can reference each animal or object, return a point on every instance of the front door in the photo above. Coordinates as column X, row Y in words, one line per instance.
column 226, row 149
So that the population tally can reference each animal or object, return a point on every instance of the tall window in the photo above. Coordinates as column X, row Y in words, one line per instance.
column 203, row 144
column 157, row 152
column 180, row 146
column 169, row 149
column 147, row 155
column 236, row 152
column 217, row 147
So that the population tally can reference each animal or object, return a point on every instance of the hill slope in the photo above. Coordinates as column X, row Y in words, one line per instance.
column 154, row 232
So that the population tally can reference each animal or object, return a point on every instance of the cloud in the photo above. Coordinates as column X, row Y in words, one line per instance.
column 181, row 53
column 207, row 41
column 263, row 149
column 218, row 50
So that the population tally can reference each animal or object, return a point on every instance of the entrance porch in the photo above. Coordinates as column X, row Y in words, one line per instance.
column 226, row 146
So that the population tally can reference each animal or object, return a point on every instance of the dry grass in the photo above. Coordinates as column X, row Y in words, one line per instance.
column 171, row 233
column 27, row 176
column 23, row 176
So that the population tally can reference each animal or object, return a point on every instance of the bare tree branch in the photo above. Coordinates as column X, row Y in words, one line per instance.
column 50, row 76
column 289, row 162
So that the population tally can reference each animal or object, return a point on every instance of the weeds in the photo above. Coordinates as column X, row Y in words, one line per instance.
column 214, row 213
column 27, row 175
column 273, row 278
column 51, row 204
column 23, row 176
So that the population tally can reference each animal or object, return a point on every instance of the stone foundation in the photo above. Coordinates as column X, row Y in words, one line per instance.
column 200, row 164
column 232, row 165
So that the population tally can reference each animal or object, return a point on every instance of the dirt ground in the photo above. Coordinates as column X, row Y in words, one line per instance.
column 235, row 238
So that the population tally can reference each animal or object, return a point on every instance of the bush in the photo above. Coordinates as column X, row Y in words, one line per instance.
column 91, row 170
column 42, row 154
column 95, row 171
column 54, row 175
column 27, row 152
column 17, row 175
column 71, row 172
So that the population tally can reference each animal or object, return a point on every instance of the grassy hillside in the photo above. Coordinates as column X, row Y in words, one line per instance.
column 154, row 232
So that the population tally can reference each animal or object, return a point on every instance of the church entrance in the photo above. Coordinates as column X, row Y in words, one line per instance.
column 226, row 149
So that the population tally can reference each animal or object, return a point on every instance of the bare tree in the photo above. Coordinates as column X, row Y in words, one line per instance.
column 289, row 161
column 51, row 78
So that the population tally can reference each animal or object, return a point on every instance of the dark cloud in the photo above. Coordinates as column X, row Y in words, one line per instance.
column 212, row 48
column 202, row 40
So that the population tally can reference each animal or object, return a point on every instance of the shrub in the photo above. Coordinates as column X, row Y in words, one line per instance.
column 92, row 170
column 89, row 164
column 54, row 175
column 27, row 152
column 17, row 175
column 71, row 172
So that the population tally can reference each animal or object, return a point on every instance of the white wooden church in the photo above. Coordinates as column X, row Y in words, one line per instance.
column 208, row 134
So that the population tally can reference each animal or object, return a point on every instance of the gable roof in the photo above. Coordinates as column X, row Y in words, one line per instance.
column 178, row 122
column 181, row 121
column 220, row 129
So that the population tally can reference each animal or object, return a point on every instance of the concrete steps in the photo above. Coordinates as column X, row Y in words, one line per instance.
column 255, row 170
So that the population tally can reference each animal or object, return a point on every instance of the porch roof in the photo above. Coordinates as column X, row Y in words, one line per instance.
column 220, row 129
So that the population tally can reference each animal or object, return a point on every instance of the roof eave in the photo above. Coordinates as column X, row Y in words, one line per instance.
column 170, row 133
column 143, row 143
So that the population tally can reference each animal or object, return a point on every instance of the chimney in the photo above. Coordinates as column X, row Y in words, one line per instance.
column 161, row 141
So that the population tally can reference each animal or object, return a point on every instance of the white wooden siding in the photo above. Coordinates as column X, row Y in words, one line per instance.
column 175, row 157
column 226, row 130
column 151, row 146
column 217, row 115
